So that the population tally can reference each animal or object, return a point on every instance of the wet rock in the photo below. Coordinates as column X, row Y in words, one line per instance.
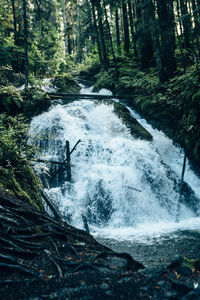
column 136, row 129
column 99, row 205
column 193, row 295
column 35, row 102
column 185, row 271
column 181, row 287
column 176, row 263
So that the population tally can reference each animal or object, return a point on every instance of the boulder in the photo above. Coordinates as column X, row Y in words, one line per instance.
column 65, row 83
column 136, row 129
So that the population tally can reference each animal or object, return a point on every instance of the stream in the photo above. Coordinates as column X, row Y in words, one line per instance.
column 127, row 188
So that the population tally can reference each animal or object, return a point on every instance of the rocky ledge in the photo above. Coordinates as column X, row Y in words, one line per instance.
column 41, row 258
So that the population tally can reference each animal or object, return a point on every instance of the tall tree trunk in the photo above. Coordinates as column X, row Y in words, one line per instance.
column 101, row 32
column 26, row 65
column 69, row 44
column 170, row 7
column 65, row 26
column 167, row 37
column 97, row 33
column 126, row 27
column 109, row 32
column 14, row 21
column 179, row 16
column 117, row 31
column 132, row 27
column 181, row 49
column 185, row 22
column 197, row 24
column 156, row 42
column 143, row 32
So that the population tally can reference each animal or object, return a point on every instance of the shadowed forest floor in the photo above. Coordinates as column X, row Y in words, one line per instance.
column 42, row 259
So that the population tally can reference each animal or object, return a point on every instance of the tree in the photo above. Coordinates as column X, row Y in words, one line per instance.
column 126, row 27
column 26, row 62
column 166, row 24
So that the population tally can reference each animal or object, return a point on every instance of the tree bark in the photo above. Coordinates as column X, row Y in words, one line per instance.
column 26, row 64
column 97, row 33
column 144, row 33
column 156, row 42
column 132, row 27
column 195, row 9
column 65, row 27
column 167, row 37
column 109, row 32
column 126, row 27
column 185, row 22
column 14, row 21
column 117, row 31
column 101, row 32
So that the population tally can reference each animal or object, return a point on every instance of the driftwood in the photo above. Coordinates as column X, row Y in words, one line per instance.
column 51, row 206
column 178, row 209
column 66, row 161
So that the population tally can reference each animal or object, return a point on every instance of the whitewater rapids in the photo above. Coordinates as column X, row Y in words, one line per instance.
column 126, row 187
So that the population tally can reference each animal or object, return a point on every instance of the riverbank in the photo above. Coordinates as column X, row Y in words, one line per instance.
column 173, row 107
column 44, row 259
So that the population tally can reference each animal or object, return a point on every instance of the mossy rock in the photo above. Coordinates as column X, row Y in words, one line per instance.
column 36, row 101
column 136, row 129
column 90, row 72
column 21, row 183
column 10, row 100
column 196, row 152
column 105, row 80
column 65, row 83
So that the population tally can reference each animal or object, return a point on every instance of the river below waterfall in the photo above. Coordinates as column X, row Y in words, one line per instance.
column 127, row 188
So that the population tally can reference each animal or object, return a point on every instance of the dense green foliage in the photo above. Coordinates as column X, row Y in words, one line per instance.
column 16, row 176
column 59, row 33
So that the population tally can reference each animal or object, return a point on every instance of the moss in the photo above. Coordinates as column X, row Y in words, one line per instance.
column 104, row 80
column 193, row 264
column 10, row 100
column 196, row 152
column 21, row 183
column 89, row 70
column 65, row 83
column 35, row 102
column 16, row 176
column 136, row 129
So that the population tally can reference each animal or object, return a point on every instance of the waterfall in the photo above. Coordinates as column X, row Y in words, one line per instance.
column 121, row 184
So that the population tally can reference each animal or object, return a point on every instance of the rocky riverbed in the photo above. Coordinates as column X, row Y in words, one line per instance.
column 155, row 252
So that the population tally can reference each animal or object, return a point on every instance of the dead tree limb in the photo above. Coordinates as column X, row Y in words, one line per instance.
column 54, row 210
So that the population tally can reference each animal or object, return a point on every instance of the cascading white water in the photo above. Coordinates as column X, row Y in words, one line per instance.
column 120, row 183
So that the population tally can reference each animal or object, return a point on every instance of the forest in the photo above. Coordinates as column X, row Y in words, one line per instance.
column 134, row 172
column 45, row 37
